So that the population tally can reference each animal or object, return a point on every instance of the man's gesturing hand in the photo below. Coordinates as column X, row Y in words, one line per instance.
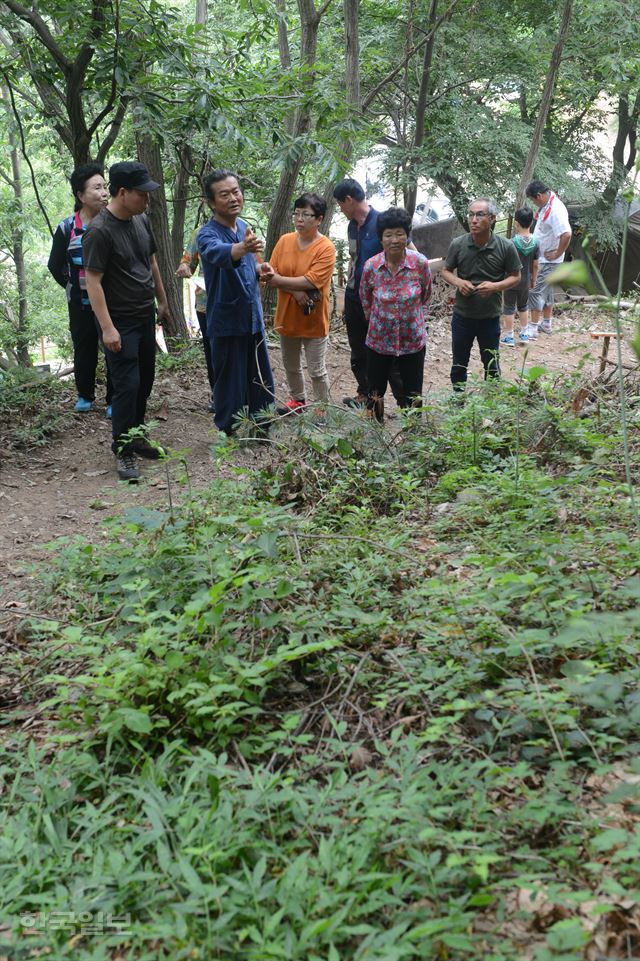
column 251, row 243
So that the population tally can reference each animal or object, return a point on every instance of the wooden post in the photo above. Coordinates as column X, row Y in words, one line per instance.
column 605, row 336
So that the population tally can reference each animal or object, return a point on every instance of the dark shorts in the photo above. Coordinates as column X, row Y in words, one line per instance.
column 516, row 297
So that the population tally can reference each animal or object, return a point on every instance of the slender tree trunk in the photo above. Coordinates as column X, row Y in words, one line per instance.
column 299, row 122
column 21, row 345
column 458, row 197
column 545, row 103
column 176, row 327
column 344, row 149
column 180, row 197
column 421, row 107
column 626, row 137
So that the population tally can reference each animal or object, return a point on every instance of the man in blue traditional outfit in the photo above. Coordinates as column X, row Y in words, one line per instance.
column 228, row 251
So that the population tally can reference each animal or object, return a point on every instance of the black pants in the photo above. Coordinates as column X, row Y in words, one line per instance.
column 206, row 344
column 410, row 368
column 85, row 337
column 357, row 326
column 464, row 330
column 132, row 371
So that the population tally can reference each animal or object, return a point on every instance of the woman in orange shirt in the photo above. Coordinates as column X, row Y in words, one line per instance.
column 301, row 267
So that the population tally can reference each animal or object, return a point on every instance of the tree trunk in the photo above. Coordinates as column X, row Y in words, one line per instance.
column 64, row 89
column 21, row 345
column 628, row 121
column 453, row 188
column 298, row 124
column 421, row 107
column 175, row 328
column 545, row 103
column 180, row 197
column 344, row 147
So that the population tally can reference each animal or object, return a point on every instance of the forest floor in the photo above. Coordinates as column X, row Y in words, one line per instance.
column 63, row 484
column 348, row 694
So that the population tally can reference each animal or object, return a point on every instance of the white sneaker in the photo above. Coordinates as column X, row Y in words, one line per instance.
column 545, row 327
column 532, row 331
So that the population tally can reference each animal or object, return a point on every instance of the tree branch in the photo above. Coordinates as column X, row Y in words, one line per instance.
column 23, row 148
column 45, row 36
column 416, row 47
column 114, row 129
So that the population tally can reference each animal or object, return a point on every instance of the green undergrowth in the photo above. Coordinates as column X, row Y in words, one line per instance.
column 32, row 408
column 377, row 700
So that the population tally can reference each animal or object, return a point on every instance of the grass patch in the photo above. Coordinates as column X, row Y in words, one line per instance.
column 377, row 700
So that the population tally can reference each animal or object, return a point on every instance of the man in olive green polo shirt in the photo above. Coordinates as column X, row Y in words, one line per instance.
column 484, row 266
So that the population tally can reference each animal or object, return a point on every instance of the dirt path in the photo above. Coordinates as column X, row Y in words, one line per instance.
column 69, row 486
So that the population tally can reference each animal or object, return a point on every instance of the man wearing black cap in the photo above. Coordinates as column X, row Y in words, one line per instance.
column 123, row 282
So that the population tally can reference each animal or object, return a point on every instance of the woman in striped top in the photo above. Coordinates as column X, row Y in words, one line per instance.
column 67, row 267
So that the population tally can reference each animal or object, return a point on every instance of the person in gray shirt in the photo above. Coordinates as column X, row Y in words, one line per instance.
column 480, row 265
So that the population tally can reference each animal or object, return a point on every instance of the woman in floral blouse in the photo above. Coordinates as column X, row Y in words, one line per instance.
column 395, row 290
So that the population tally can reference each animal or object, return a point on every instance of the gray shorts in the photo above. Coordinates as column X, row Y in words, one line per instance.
column 541, row 295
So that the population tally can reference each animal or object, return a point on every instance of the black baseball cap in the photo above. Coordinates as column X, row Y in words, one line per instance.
column 132, row 175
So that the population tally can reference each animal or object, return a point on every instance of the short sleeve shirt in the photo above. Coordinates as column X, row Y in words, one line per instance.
column 121, row 250
column 192, row 257
column 495, row 261
column 234, row 307
column 526, row 262
column 364, row 243
column 396, row 304
column 314, row 262
column 552, row 221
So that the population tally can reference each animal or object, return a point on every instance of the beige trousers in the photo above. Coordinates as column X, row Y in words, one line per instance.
column 315, row 352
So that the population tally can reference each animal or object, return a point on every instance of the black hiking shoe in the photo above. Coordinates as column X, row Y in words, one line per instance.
column 359, row 402
column 127, row 468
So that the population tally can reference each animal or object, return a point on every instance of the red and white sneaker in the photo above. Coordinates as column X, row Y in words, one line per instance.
column 292, row 406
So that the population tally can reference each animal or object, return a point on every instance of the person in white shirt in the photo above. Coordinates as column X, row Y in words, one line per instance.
column 553, row 234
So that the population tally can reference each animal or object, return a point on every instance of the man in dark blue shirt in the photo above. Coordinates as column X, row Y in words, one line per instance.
column 235, row 326
column 363, row 244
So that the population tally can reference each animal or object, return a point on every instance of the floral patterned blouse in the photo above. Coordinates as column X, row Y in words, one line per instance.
column 395, row 305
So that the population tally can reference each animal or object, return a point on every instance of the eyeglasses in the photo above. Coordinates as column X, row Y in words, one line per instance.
column 477, row 213
column 299, row 216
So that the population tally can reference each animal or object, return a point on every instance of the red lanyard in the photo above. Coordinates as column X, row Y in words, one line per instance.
column 548, row 208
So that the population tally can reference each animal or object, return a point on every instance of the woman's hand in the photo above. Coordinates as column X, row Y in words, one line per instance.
column 301, row 297
column 266, row 272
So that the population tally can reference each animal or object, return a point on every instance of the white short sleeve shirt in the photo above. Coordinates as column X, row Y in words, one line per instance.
column 552, row 222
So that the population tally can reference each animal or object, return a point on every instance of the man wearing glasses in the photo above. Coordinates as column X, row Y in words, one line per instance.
column 484, row 266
